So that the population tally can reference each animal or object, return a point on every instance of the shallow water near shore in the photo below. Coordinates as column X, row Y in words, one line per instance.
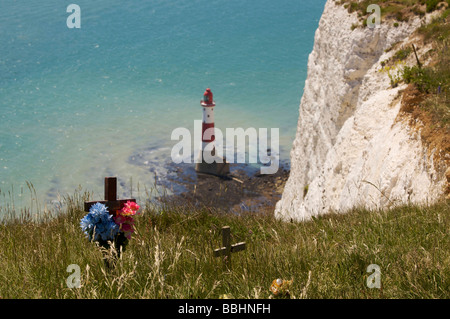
column 77, row 105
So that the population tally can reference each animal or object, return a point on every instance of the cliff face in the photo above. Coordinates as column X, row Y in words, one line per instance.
column 349, row 150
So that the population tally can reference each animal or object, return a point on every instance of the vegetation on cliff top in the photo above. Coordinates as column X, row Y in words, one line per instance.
column 393, row 10
column 427, row 97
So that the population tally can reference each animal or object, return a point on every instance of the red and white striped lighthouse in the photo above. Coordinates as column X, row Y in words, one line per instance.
column 208, row 118
column 219, row 165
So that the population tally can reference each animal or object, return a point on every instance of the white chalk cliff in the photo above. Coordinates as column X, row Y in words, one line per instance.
column 350, row 149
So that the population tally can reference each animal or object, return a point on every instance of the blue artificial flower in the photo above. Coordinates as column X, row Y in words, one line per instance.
column 98, row 224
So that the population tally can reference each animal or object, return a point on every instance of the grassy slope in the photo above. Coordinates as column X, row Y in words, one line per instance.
column 171, row 256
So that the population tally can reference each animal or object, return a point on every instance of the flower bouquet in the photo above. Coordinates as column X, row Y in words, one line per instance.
column 100, row 226
column 124, row 218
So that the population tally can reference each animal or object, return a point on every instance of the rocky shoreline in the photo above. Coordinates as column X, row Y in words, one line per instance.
column 244, row 190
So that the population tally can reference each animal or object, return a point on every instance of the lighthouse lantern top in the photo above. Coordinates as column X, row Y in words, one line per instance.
column 207, row 98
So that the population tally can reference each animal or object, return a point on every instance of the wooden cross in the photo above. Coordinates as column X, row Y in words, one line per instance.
column 227, row 248
column 111, row 200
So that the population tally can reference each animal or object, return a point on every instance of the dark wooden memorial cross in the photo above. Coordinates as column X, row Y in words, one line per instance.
column 227, row 248
column 111, row 200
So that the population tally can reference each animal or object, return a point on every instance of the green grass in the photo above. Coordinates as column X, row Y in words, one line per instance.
column 402, row 54
column 438, row 29
column 171, row 255
column 397, row 10
column 431, row 5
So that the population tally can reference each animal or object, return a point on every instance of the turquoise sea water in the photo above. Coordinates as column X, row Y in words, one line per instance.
column 77, row 105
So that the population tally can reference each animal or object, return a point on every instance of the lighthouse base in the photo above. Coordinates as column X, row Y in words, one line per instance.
column 214, row 168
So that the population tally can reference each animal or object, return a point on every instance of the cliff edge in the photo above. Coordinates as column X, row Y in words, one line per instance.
column 351, row 150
